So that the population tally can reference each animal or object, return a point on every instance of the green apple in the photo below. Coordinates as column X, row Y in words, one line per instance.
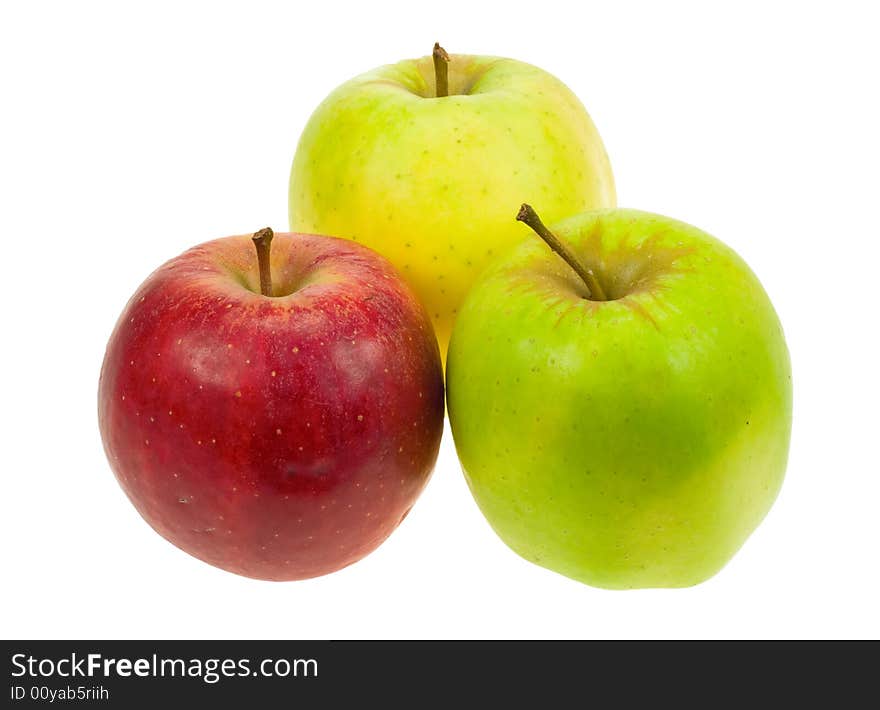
column 427, row 180
column 622, row 418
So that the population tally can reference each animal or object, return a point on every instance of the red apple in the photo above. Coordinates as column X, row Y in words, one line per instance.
column 278, row 437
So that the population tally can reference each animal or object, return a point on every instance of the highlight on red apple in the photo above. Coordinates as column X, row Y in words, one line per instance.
column 273, row 405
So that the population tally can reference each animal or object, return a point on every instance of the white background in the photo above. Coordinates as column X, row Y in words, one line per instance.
column 130, row 134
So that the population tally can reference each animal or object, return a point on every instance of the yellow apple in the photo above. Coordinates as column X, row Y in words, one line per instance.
column 428, row 180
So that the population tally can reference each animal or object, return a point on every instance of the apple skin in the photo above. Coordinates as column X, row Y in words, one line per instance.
column 277, row 438
column 427, row 181
column 628, row 443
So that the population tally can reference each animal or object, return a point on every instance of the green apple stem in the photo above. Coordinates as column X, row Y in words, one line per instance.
column 594, row 289
column 263, row 242
column 441, row 70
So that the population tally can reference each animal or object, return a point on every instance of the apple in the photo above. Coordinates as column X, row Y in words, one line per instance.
column 278, row 426
column 622, row 413
column 425, row 178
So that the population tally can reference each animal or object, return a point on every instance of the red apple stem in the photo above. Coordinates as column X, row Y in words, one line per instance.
column 441, row 70
column 263, row 242
column 528, row 216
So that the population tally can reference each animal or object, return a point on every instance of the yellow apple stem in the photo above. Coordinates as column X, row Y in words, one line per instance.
column 441, row 70
column 263, row 242
column 528, row 216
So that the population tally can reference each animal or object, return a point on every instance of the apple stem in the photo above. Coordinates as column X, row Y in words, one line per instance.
column 441, row 70
column 263, row 242
column 528, row 216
